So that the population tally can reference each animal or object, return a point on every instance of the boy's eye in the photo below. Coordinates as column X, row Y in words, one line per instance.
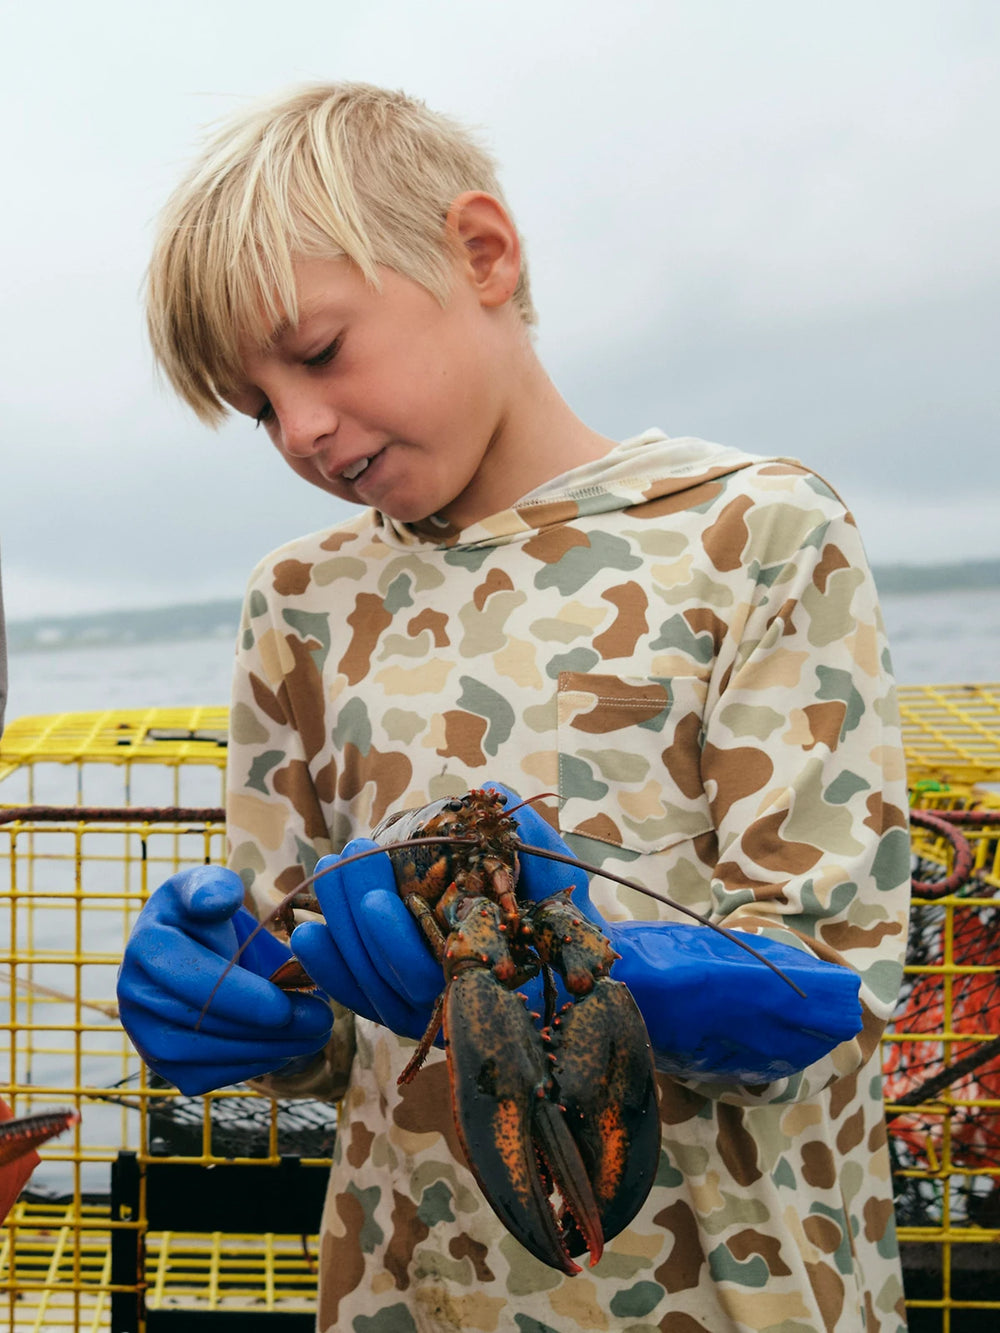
column 324, row 357
column 264, row 415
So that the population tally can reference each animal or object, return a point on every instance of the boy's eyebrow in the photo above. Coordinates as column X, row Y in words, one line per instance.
column 259, row 337
column 278, row 332
column 284, row 325
column 267, row 340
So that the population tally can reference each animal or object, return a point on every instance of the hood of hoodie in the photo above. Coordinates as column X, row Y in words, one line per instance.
column 646, row 467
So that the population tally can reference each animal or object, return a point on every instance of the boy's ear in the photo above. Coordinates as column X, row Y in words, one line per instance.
column 487, row 245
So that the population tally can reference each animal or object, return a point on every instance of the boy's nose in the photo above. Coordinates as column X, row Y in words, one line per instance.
column 304, row 433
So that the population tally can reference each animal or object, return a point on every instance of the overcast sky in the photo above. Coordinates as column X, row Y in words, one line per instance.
column 768, row 222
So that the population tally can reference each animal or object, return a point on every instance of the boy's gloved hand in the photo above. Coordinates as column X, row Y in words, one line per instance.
column 714, row 1011
column 711, row 1009
column 180, row 946
column 370, row 954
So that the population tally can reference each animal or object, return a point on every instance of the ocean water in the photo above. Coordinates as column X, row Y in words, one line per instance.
column 935, row 638
column 944, row 637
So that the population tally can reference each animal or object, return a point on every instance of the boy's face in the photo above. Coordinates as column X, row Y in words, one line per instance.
column 383, row 398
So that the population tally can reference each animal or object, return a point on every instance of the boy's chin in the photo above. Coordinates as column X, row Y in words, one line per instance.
column 416, row 516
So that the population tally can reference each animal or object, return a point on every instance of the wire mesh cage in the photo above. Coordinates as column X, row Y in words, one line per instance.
column 154, row 1209
column 951, row 732
column 942, row 1062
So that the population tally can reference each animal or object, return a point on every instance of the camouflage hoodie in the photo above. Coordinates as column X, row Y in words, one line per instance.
column 682, row 640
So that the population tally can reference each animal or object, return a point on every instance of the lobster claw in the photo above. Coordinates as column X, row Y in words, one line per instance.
column 602, row 1066
column 605, row 1077
column 507, row 1122
column 571, row 1105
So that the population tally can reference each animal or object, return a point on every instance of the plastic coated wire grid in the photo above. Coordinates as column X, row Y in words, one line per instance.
column 62, row 1259
column 73, row 894
column 946, row 1151
column 952, row 732
column 141, row 735
column 69, row 895
column 245, row 1272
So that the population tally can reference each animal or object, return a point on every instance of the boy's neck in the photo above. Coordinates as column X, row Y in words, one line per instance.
column 538, row 438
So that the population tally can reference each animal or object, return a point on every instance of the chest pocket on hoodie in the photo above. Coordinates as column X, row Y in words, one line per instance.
column 629, row 759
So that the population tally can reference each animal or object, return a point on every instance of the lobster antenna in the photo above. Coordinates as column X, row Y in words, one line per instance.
column 633, row 884
column 530, row 800
column 662, row 897
column 521, row 846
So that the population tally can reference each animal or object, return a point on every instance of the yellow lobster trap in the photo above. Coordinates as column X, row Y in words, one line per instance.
column 941, row 1055
column 158, row 1211
column 155, row 1210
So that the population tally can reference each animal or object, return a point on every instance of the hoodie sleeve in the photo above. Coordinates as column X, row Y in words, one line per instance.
column 274, row 817
column 803, row 767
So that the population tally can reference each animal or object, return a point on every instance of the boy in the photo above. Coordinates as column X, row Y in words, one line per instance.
column 681, row 639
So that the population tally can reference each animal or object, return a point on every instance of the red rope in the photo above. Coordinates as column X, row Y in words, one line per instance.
column 111, row 814
column 963, row 853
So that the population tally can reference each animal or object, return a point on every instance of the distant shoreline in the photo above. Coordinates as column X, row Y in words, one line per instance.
column 966, row 576
column 105, row 629
column 220, row 619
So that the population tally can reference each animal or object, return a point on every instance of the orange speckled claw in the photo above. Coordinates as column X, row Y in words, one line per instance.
column 507, row 1122
column 607, row 1089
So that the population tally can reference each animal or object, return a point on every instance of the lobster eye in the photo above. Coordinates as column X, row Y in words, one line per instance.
column 455, row 805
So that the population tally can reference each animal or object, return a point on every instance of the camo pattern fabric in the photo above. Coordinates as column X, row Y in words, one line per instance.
column 684, row 642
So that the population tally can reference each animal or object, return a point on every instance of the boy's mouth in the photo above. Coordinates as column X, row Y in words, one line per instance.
column 355, row 470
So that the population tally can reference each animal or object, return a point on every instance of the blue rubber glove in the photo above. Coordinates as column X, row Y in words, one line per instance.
column 711, row 1009
column 182, row 941
column 369, row 954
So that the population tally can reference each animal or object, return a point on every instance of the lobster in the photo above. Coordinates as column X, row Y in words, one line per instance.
column 561, row 1100
column 570, row 1104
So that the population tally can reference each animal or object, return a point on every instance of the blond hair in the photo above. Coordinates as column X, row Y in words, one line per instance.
column 333, row 170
